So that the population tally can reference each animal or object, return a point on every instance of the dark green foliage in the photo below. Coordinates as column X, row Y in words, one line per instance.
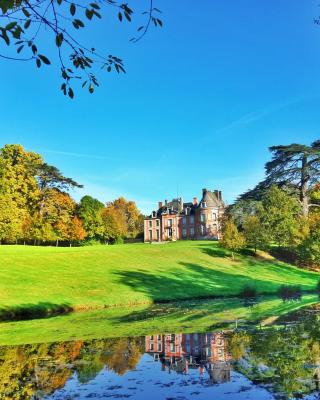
column 294, row 167
column 25, row 22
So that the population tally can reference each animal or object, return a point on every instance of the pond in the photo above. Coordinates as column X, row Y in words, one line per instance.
column 280, row 360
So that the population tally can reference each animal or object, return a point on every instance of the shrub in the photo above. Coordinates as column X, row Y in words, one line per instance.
column 248, row 292
column 290, row 292
column 318, row 287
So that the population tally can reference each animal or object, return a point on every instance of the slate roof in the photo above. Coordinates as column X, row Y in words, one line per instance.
column 211, row 199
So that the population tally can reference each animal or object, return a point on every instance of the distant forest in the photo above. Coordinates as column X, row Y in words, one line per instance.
column 36, row 206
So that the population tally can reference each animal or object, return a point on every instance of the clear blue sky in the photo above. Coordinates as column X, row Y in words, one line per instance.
column 202, row 100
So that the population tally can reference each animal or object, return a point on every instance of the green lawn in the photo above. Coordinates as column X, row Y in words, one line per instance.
column 43, row 278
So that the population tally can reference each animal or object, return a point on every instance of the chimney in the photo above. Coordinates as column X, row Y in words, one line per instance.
column 195, row 201
column 166, row 202
column 204, row 191
column 216, row 192
column 159, row 205
column 220, row 195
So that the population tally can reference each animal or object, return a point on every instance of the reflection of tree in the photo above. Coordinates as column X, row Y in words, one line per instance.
column 123, row 354
column 26, row 370
column 286, row 357
column 238, row 344
column 30, row 370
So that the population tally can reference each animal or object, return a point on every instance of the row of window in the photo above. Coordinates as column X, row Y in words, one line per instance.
column 184, row 220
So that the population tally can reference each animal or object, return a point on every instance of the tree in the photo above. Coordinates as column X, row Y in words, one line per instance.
column 255, row 233
column 279, row 216
column 132, row 216
column 89, row 210
column 232, row 239
column 114, row 223
column 309, row 250
column 26, row 22
column 294, row 166
column 242, row 209
column 11, row 219
column 76, row 230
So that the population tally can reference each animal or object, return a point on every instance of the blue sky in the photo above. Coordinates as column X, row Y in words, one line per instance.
column 201, row 102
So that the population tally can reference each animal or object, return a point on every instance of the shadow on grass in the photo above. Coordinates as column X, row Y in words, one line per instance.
column 194, row 281
column 248, row 257
column 33, row 311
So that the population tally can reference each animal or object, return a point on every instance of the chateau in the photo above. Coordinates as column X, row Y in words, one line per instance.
column 177, row 220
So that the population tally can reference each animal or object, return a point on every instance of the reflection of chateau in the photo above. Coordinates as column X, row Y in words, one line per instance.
column 181, row 352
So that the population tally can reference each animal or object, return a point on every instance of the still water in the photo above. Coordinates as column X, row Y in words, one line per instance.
column 274, row 362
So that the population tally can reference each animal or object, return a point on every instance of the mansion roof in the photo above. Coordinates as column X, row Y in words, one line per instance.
column 210, row 199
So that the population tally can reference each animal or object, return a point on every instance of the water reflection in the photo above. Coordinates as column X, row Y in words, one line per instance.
column 182, row 352
column 276, row 362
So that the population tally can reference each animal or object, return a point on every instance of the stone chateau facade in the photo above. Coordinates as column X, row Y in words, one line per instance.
column 176, row 220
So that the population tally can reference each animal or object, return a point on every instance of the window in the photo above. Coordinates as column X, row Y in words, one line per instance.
column 157, row 222
column 150, row 234
column 150, row 224
column 154, row 214
column 159, row 337
column 159, row 347
column 184, row 220
column 151, row 346
column 203, row 204
column 191, row 219
column 184, row 232
column 214, row 216
column 203, row 217
column 191, row 231
column 158, row 235
column 169, row 222
column 203, row 230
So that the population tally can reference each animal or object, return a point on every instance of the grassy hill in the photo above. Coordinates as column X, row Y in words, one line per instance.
column 38, row 279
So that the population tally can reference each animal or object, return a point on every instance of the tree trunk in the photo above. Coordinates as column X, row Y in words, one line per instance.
column 304, row 187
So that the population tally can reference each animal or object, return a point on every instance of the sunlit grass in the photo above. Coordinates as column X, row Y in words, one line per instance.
column 44, row 278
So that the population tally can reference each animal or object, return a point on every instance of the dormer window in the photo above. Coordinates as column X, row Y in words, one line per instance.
column 203, row 204
column 154, row 214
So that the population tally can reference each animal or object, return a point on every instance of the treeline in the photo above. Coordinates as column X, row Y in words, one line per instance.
column 36, row 207
column 282, row 213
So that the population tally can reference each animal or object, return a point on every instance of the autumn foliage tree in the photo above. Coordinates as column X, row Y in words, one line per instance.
column 36, row 207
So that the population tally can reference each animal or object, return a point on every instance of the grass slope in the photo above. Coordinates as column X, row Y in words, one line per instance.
column 43, row 278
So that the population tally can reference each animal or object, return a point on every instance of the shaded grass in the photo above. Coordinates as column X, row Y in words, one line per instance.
column 186, row 316
column 99, row 276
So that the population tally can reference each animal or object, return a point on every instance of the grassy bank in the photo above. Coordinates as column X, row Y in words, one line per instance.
column 184, row 316
column 35, row 281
